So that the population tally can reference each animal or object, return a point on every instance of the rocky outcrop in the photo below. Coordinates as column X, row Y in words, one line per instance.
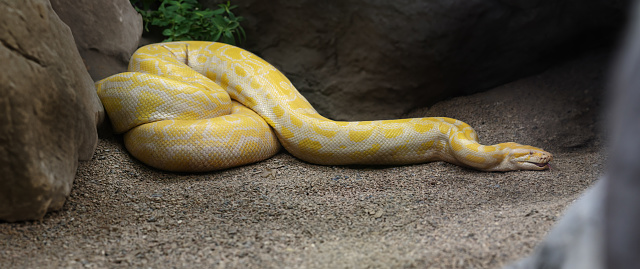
column 370, row 59
column 106, row 32
column 48, row 110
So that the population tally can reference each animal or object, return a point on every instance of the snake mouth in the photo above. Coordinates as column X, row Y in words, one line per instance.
column 542, row 165
column 535, row 166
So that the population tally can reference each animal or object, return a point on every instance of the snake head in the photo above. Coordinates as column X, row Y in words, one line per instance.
column 523, row 157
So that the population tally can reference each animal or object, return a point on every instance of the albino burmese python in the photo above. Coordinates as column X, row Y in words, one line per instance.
column 176, row 110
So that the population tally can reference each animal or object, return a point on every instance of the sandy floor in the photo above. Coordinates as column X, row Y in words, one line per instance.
column 284, row 213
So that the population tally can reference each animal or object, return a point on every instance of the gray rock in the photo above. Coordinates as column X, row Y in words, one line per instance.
column 622, row 204
column 373, row 59
column 106, row 32
column 48, row 110
column 602, row 229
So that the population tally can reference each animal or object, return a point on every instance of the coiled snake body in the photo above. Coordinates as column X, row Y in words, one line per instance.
column 201, row 106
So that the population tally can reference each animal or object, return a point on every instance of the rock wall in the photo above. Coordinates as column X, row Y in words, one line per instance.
column 374, row 59
column 48, row 110
column 106, row 32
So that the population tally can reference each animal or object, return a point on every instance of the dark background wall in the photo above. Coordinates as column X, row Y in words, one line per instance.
column 374, row 59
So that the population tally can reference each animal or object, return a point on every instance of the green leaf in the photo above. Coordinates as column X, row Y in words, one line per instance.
column 167, row 32
column 228, row 34
column 219, row 11
column 172, row 8
column 186, row 20
column 182, row 29
column 160, row 22
column 179, row 18
column 205, row 13
column 219, row 21
column 216, row 37
column 187, row 6
column 242, row 36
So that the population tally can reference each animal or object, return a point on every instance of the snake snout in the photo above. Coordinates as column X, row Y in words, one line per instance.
column 540, row 158
column 530, row 158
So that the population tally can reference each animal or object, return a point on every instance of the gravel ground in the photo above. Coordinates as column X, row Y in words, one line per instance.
column 285, row 213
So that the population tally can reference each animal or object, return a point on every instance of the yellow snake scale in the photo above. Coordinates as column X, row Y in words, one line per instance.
column 175, row 109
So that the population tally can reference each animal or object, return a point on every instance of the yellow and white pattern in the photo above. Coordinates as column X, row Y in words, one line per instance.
column 201, row 106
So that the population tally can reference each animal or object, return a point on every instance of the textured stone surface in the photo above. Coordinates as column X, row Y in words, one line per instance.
column 48, row 110
column 372, row 59
column 106, row 32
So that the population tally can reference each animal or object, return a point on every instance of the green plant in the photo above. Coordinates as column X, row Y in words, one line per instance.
column 186, row 20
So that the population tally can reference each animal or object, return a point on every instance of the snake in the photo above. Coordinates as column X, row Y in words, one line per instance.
column 197, row 106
